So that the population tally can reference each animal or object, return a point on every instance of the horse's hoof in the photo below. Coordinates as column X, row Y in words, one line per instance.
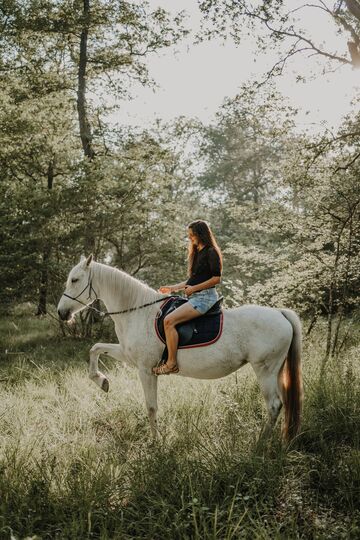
column 105, row 385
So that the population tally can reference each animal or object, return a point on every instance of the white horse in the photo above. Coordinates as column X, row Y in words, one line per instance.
column 268, row 338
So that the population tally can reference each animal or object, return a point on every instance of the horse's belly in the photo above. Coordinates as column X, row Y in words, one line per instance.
column 197, row 371
column 210, row 362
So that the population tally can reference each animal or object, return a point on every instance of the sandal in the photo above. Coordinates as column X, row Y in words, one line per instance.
column 165, row 370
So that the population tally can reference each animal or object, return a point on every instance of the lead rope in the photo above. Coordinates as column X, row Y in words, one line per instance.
column 133, row 308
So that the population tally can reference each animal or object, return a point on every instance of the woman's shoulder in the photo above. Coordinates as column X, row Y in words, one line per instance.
column 212, row 251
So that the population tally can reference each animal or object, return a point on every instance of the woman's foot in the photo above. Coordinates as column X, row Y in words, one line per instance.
column 164, row 369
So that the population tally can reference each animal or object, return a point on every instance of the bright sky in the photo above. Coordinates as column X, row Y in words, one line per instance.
column 193, row 80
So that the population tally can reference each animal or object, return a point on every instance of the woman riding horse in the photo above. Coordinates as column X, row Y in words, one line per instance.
column 204, row 270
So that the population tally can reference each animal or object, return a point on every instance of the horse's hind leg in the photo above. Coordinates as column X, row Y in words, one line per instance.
column 273, row 403
column 112, row 349
column 149, row 384
column 270, row 390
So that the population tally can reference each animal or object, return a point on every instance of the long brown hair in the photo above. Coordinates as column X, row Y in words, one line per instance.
column 202, row 231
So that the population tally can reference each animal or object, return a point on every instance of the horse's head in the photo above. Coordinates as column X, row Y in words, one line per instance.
column 78, row 292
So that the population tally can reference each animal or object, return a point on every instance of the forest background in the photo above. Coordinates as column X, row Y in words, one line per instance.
column 283, row 202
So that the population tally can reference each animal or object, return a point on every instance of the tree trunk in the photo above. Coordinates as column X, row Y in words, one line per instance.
column 42, row 305
column 41, row 309
column 312, row 323
column 337, row 330
column 84, row 124
column 329, row 323
column 343, row 299
column 86, row 141
column 354, row 8
column 332, row 290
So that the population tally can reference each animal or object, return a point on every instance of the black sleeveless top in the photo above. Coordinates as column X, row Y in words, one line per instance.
column 206, row 265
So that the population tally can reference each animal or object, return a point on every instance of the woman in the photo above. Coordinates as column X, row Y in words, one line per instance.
column 204, row 269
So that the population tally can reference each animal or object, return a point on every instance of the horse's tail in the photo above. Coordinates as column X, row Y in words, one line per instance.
column 291, row 379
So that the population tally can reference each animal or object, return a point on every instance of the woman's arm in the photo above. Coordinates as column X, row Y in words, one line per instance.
column 190, row 289
column 173, row 288
column 178, row 286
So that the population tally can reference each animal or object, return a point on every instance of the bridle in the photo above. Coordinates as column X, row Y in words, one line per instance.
column 106, row 313
column 91, row 288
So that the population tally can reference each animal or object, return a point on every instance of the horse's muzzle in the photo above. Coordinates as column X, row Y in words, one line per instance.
column 64, row 315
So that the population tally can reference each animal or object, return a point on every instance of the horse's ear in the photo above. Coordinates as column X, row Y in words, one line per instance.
column 89, row 259
column 85, row 262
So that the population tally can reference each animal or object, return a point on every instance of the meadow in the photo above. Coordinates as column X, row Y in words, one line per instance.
column 76, row 463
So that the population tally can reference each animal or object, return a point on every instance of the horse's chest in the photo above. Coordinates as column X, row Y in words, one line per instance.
column 138, row 341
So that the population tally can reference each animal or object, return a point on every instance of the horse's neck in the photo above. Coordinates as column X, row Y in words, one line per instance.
column 118, row 290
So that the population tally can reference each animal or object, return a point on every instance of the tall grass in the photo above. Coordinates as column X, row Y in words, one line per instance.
column 76, row 463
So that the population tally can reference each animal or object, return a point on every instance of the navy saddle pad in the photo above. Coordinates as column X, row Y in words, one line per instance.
column 198, row 332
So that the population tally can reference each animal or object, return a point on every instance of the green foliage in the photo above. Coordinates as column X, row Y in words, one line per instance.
column 42, row 41
column 243, row 148
column 54, row 204
column 244, row 153
column 114, row 207
column 275, row 26
column 289, row 220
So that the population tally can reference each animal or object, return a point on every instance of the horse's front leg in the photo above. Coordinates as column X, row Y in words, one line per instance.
column 112, row 349
column 149, row 384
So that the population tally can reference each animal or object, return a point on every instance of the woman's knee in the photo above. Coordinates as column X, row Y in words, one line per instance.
column 168, row 322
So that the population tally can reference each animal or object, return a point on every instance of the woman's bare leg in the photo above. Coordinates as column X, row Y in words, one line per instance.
column 183, row 313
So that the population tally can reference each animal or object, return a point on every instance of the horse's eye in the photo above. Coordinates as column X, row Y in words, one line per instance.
column 74, row 280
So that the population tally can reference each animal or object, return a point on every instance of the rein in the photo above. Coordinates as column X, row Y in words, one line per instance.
column 106, row 313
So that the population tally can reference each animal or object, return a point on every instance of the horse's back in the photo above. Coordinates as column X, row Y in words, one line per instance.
column 258, row 315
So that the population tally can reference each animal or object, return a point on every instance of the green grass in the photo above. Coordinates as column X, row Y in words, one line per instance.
column 76, row 463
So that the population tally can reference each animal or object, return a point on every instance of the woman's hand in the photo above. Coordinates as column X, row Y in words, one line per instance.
column 166, row 290
column 189, row 290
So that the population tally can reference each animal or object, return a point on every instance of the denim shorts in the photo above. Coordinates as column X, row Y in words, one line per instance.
column 202, row 301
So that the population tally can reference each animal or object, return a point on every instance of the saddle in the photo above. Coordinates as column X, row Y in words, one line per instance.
column 198, row 332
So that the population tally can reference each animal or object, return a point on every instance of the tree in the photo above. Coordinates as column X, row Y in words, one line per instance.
column 277, row 23
column 48, row 54
column 243, row 148
column 314, row 263
column 243, row 155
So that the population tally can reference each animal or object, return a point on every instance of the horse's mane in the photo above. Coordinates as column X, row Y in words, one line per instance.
column 132, row 291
